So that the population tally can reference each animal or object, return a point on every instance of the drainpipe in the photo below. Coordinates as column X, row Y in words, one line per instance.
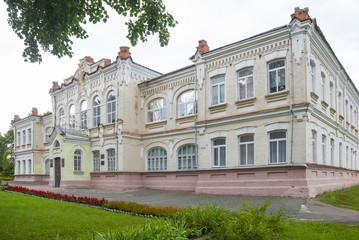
column 195, row 115
column 291, row 91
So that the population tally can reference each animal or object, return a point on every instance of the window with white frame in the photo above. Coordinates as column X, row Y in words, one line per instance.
column 78, row 160
column 18, row 167
column 347, row 111
column 48, row 132
column 83, row 115
column 218, row 90
column 312, row 75
column 351, row 114
column 323, row 86
column 29, row 166
column 18, row 139
column 355, row 118
column 219, row 152
column 111, row 160
column 245, row 84
column 340, row 155
column 186, row 157
column 23, row 166
column 332, row 151
column 324, row 149
column 187, row 104
column 62, row 117
column 331, row 94
column 47, row 166
column 72, row 116
column 340, row 103
column 347, row 157
column 276, row 76
column 23, row 137
column 96, row 112
column 157, row 110
column 351, row 158
column 314, row 146
column 111, row 107
column 157, row 159
column 96, row 161
column 277, row 147
column 29, row 136
column 246, row 149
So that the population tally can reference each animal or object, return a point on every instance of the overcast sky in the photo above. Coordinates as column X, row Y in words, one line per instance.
column 26, row 85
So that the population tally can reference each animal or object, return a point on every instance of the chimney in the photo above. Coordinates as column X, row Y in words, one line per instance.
column 106, row 62
column 55, row 86
column 300, row 14
column 202, row 46
column 89, row 59
column 124, row 53
column 16, row 118
column 34, row 111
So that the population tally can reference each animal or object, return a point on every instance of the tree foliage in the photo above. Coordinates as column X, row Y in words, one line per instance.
column 51, row 24
column 6, row 154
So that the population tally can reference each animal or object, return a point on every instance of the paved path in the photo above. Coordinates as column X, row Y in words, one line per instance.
column 300, row 208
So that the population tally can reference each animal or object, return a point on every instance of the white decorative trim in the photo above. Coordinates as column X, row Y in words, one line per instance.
column 332, row 135
column 217, row 71
column 218, row 134
column 200, row 74
column 170, row 146
column 245, row 130
column 277, row 126
column 96, row 148
column 56, row 155
column 244, row 64
column 324, row 131
column 274, row 55
column 314, row 126
column 312, row 57
column 110, row 146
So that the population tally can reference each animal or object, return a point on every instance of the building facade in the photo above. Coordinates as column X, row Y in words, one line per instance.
column 273, row 114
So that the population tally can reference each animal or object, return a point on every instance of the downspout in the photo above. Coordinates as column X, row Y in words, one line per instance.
column 291, row 91
column 195, row 115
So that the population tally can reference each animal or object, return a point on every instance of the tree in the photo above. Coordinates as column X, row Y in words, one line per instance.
column 50, row 24
column 7, row 155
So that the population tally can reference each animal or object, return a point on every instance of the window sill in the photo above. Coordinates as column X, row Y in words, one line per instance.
column 156, row 124
column 246, row 102
column 218, row 108
column 324, row 105
column 78, row 172
column 347, row 124
column 332, row 111
column 218, row 166
column 277, row 96
column 341, row 118
column 352, row 127
column 278, row 163
column 314, row 97
column 185, row 118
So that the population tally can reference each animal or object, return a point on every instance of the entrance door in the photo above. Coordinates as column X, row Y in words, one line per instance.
column 57, row 172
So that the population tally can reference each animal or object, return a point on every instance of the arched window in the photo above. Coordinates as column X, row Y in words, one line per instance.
column 157, row 110
column 48, row 132
column 186, row 157
column 47, row 167
column 187, row 104
column 96, row 161
column 78, row 160
column 83, row 114
column 111, row 160
column 56, row 144
column 61, row 117
column 245, row 84
column 96, row 111
column 157, row 159
column 72, row 116
column 111, row 107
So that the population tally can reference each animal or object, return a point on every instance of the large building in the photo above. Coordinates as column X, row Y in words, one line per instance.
column 273, row 114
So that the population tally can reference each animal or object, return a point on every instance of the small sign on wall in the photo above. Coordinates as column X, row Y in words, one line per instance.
column 102, row 156
column 51, row 162
column 62, row 162
column 102, row 163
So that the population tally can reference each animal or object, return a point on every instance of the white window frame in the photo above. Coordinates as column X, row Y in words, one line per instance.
column 111, row 159
column 183, row 105
column 29, row 136
column 72, row 116
column 323, row 80
column 246, row 80
column 47, row 167
column 314, row 147
column 332, row 144
column 24, row 137
column 188, row 160
column 78, row 159
column 29, row 166
column 96, row 111
column 246, row 144
column 23, row 166
column 83, row 114
column 96, row 161
column 162, row 110
column 340, row 154
column 312, row 75
column 111, row 107
column 351, row 114
column 156, row 162
column 277, row 140
column 18, row 138
column 347, row 156
column 347, row 110
column 61, row 117
column 277, row 80
column 18, row 167
column 340, row 103
column 218, row 85
column 219, row 148
column 331, row 94
column 324, row 149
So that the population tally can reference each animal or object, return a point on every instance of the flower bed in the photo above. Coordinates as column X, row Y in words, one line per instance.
column 7, row 179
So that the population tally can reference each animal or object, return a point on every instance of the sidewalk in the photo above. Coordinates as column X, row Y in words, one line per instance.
column 303, row 209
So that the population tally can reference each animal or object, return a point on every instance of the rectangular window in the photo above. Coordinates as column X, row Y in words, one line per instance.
column 83, row 119
column 331, row 94
column 312, row 75
column 96, row 116
column 351, row 158
column 323, row 86
column 219, row 152
column 346, row 111
column 23, row 137
column 340, row 155
column 18, row 167
column 29, row 136
column 23, row 167
column 347, row 157
column 276, row 72
column 18, row 139
column 111, row 166
column 332, row 151
column 351, row 114
column 246, row 150
column 324, row 149
column 218, row 90
column 314, row 146
column 277, row 147
column 29, row 167
column 96, row 161
column 340, row 103
column 245, row 84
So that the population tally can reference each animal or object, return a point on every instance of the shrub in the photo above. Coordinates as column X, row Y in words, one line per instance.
column 6, row 179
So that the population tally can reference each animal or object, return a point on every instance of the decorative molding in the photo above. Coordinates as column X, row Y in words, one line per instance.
column 244, row 64
column 218, row 134
column 246, row 102
column 277, row 126
column 314, row 97
column 170, row 146
column 200, row 74
column 245, row 130
column 277, row 96
column 216, row 72
column 275, row 55
column 218, row 108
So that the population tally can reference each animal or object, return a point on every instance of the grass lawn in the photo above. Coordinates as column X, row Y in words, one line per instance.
column 314, row 230
column 27, row 217
column 345, row 198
